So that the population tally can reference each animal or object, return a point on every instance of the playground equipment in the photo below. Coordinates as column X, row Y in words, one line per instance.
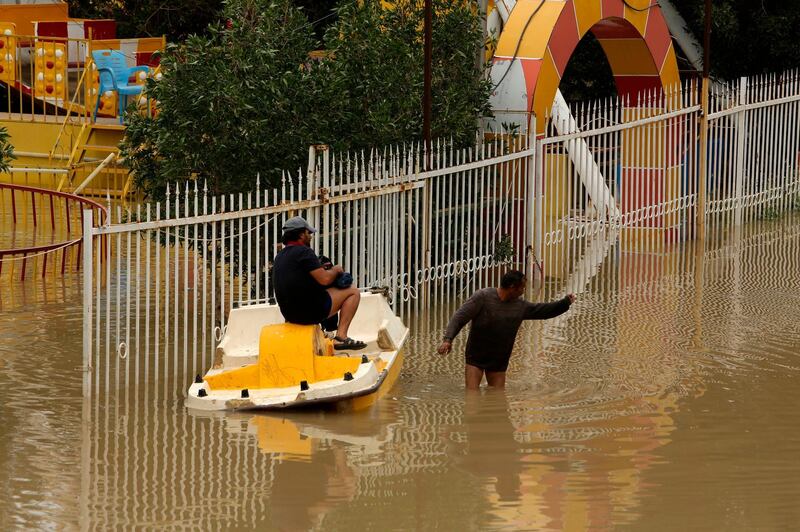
column 62, row 109
column 539, row 37
column 536, row 41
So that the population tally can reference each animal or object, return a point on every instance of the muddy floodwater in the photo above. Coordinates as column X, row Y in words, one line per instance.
column 666, row 399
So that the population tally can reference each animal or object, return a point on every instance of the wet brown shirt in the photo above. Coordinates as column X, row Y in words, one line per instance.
column 495, row 324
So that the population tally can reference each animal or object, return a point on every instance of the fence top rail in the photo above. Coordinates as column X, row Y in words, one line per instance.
column 45, row 38
column 414, row 176
column 286, row 206
column 622, row 126
column 475, row 164
column 739, row 108
column 334, row 193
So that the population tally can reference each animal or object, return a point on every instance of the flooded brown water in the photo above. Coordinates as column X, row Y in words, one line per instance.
column 665, row 399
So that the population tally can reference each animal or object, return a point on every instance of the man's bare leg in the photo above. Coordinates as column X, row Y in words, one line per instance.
column 345, row 301
column 472, row 377
column 496, row 379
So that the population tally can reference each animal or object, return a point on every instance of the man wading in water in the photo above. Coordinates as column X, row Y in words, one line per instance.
column 496, row 314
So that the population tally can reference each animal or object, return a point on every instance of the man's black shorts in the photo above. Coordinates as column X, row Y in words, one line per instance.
column 313, row 313
column 489, row 363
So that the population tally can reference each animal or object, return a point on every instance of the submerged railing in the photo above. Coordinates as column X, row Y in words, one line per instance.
column 42, row 231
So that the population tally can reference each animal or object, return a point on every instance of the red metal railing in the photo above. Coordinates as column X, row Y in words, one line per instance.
column 61, row 213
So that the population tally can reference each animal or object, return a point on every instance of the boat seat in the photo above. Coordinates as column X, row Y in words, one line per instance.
column 288, row 354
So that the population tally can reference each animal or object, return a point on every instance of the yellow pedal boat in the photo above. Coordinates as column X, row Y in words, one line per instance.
column 264, row 363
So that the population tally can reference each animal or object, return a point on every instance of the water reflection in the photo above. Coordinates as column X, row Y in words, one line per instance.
column 491, row 452
column 679, row 364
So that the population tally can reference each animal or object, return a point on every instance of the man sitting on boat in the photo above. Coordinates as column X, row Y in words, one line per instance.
column 305, row 290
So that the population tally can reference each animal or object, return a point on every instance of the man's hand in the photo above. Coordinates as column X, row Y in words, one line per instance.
column 445, row 347
column 326, row 277
column 571, row 298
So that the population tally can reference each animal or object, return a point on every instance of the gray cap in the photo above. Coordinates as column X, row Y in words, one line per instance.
column 297, row 222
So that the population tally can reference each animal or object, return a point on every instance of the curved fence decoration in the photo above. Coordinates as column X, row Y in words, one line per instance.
column 42, row 230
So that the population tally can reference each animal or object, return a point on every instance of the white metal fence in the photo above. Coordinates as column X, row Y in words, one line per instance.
column 754, row 149
column 614, row 175
column 162, row 286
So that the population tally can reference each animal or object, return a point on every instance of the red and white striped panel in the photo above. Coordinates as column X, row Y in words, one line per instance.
column 76, row 29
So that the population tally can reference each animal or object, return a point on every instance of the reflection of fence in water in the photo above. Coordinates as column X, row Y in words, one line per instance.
column 219, row 459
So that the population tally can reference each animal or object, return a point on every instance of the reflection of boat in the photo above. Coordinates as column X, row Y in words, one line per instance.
column 264, row 363
column 295, row 436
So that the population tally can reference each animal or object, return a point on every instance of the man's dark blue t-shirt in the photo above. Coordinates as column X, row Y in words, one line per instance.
column 301, row 298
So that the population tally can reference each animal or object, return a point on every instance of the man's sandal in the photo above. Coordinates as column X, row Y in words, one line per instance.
column 348, row 344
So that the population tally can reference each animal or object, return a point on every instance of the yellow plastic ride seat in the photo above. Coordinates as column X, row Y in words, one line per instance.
column 287, row 355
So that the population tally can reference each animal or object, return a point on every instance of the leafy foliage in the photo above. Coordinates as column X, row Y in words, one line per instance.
column 6, row 150
column 747, row 37
column 374, row 74
column 246, row 99
column 231, row 104
column 152, row 18
column 504, row 249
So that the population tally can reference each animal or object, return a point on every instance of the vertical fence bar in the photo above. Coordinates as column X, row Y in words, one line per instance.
column 88, row 271
column 531, row 204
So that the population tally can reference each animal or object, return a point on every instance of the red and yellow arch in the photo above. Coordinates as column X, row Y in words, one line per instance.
column 540, row 36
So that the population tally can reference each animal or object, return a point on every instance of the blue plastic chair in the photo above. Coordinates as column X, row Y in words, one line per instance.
column 114, row 73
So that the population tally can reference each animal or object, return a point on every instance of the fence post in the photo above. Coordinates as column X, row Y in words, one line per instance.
column 326, row 208
column 741, row 134
column 530, row 200
column 426, row 243
column 312, row 186
column 702, row 177
column 86, row 367
column 538, row 204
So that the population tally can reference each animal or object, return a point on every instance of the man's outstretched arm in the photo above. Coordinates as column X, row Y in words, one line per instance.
column 544, row 311
column 462, row 316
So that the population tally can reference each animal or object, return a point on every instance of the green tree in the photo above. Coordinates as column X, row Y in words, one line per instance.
column 747, row 37
column 6, row 150
column 152, row 18
column 246, row 99
column 231, row 104
column 374, row 72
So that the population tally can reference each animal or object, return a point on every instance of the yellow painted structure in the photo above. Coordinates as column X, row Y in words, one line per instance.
column 52, row 85
column 60, row 156
column 24, row 15
column 8, row 54
column 288, row 353
column 50, row 70
column 538, row 39
column 364, row 401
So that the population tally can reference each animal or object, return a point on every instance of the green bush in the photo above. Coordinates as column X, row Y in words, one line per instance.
column 230, row 104
column 246, row 98
column 6, row 150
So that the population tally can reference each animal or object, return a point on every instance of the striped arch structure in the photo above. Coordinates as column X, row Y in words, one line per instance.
column 537, row 40
column 540, row 36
